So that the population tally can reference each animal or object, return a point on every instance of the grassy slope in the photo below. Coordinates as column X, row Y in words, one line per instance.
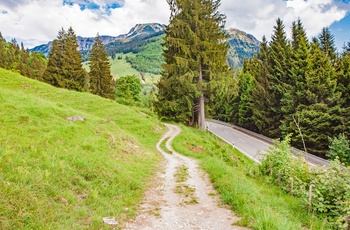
column 120, row 68
column 56, row 174
column 261, row 205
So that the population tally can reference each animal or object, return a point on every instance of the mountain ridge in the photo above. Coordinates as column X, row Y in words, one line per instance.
column 241, row 44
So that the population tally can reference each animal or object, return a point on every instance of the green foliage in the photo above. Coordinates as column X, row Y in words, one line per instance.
column 194, row 56
column 64, row 68
column 339, row 149
column 135, row 45
column 330, row 185
column 242, row 113
column 58, row 174
column 17, row 59
column 279, row 160
column 149, row 59
column 101, row 80
column 300, row 87
column 128, row 90
column 331, row 195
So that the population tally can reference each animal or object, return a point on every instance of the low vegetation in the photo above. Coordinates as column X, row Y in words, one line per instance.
column 261, row 204
column 323, row 190
column 61, row 174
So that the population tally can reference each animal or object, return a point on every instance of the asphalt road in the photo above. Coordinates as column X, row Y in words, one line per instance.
column 250, row 146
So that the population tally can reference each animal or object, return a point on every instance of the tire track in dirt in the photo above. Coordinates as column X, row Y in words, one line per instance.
column 182, row 196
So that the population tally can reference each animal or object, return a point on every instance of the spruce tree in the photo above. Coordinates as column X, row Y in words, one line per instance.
column 327, row 44
column 64, row 67
column 279, row 78
column 53, row 74
column 260, row 95
column 73, row 73
column 100, row 73
column 195, row 55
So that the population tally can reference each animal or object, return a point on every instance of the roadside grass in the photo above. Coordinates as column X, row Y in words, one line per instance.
column 260, row 204
column 58, row 174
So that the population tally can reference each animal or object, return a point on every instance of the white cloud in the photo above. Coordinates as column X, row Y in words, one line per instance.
column 41, row 19
column 259, row 17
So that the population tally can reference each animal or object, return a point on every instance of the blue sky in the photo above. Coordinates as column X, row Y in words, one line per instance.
column 341, row 31
column 37, row 21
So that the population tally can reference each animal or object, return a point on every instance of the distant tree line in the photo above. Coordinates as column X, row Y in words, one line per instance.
column 134, row 46
column 18, row 59
column 295, row 86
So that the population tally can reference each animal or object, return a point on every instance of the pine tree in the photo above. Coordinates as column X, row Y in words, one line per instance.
column 100, row 73
column 327, row 43
column 279, row 78
column 53, row 74
column 73, row 72
column 243, row 109
column 320, row 79
column 260, row 95
column 195, row 55
column 64, row 68
column 300, row 65
column 300, row 61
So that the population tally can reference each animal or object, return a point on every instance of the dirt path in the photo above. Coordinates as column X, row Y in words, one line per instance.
column 182, row 196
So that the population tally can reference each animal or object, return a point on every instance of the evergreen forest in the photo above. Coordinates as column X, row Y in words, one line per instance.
column 295, row 86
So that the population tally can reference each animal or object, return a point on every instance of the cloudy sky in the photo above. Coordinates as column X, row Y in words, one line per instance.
column 37, row 21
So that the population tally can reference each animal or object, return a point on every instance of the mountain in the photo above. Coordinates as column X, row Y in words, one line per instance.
column 145, row 40
column 138, row 32
column 241, row 45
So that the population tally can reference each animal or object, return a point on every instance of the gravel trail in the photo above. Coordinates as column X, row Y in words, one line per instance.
column 182, row 196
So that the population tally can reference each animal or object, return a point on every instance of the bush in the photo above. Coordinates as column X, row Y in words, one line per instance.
column 339, row 148
column 331, row 194
column 331, row 185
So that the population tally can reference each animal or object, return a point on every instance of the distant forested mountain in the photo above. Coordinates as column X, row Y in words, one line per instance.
column 145, row 41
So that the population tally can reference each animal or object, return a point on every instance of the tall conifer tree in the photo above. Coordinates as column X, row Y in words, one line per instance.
column 100, row 71
column 279, row 78
column 195, row 54
column 64, row 68
column 260, row 95
column 74, row 74
column 327, row 44
column 53, row 74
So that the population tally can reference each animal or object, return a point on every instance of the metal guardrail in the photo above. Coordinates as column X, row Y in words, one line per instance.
column 309, row 157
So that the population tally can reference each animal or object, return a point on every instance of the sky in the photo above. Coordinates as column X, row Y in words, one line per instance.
column 36, row 22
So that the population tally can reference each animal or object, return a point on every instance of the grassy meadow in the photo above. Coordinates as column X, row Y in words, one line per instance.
column 59, row 174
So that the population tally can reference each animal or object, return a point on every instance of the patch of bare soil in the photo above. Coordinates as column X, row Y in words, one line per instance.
column 182, row 196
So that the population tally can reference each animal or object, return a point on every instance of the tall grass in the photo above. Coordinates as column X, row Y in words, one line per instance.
column 260, row 204
column 57, row 174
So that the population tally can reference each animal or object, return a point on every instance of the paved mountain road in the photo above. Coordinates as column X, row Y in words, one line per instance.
column 252, row 147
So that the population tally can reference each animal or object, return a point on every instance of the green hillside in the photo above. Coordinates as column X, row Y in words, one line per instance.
column 60, row 174
column 121, row 67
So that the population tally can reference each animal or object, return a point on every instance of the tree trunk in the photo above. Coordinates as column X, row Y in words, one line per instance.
column 201, row 111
